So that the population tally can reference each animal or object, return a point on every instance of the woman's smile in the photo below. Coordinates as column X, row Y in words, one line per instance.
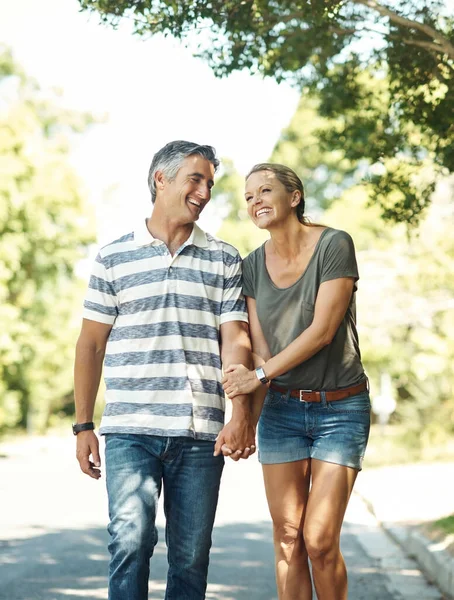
column 263, row 211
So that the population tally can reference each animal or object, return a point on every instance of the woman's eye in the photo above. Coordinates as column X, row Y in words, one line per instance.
column 248, row 198
column 266, row 190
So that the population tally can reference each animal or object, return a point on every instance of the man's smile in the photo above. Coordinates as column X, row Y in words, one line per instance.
column 195, row 203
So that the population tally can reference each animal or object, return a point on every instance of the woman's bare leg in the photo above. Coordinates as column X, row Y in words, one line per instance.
column 287, row 490
column 330, row 492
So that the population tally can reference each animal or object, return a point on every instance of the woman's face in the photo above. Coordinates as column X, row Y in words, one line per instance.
column 268, row 201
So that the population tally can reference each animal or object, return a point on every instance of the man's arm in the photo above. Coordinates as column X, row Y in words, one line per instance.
column 239, row 433
column 90, row 350
column 260, row 354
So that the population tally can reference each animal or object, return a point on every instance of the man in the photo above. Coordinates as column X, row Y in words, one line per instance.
column 165, row 308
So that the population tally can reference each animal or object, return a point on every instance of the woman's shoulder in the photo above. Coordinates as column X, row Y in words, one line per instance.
column 255, row 257
column 330, row 236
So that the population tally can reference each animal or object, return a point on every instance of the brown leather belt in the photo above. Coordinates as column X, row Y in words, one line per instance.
column 316, row 396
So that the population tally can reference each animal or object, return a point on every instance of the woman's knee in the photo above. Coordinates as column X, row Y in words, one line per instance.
column 320, row 544
column 286, row 535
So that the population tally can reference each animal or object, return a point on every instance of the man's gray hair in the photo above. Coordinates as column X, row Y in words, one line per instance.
column 169, row 160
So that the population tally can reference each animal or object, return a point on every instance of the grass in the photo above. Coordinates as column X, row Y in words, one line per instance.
column 441, row 532
column 446, row 525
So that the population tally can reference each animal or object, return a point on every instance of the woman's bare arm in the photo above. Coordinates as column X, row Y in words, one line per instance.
column 332, row 302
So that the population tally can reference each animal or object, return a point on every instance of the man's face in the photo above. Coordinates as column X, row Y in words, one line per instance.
column 187, row 195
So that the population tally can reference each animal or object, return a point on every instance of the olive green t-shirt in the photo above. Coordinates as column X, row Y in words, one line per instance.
column 284, row 313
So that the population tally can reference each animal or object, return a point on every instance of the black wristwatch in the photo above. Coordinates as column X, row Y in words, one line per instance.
column 78, row 427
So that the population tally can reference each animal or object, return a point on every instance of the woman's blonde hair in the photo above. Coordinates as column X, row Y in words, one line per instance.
column 289, row 180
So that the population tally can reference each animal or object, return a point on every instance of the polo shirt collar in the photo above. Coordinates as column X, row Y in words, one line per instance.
column 198, row 237
column 142, row 236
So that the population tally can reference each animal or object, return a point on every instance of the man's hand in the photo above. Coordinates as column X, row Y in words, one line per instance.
column 237, row 439
column 87, row 443
column 238, row 380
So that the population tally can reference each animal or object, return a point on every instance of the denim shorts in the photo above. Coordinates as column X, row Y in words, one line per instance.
column 335, row 432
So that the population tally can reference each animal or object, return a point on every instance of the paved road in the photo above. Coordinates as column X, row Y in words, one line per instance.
column 53, row 538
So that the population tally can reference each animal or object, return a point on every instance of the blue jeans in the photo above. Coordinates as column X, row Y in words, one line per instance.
column 136, row 467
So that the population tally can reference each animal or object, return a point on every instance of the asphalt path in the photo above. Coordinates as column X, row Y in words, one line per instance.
column 53, row 536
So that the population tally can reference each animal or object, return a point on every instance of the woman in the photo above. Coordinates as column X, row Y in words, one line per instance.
column 315, row 419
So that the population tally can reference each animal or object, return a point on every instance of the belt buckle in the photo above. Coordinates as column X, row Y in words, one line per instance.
column 301, row 395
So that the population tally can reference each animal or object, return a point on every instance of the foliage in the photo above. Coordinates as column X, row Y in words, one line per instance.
column 325, row 173
column 406, row 310
column 446, row 525
column 405, row 47
column 44, row 231
column 328, row 153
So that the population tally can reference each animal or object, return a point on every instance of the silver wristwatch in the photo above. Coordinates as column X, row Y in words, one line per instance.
column 261, row 375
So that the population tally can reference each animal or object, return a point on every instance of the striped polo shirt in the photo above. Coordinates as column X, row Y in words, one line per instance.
column 162, row 366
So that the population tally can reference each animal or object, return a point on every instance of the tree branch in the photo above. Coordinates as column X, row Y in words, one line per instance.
column 342, row 31
column 421, row 44
column 439, row 40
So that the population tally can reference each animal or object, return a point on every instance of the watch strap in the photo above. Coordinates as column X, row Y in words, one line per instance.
column 78, row 427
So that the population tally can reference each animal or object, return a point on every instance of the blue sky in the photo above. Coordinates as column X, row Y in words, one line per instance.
column 151, row 92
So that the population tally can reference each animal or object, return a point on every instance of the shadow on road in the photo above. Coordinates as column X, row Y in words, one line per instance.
column 70, row 564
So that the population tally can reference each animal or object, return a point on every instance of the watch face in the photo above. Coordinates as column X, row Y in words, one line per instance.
column 261, row 375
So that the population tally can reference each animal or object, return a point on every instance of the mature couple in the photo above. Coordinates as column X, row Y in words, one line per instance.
column 166, row 312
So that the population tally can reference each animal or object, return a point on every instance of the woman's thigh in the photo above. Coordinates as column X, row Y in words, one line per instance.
column 331, row 488
column 287, row 491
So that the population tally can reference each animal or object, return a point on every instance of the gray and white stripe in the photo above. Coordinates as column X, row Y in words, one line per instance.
column 162, row 366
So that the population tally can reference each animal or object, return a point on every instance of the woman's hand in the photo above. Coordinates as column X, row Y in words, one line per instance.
column 238, row 380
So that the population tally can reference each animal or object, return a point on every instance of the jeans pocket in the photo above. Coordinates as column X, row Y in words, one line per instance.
column 272, row 398
column 355, row 404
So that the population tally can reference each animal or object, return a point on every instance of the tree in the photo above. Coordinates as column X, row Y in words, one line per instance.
column 45, row 229
column 399, row 166
column 406, row 47
column 325, row 173
column 406, row 310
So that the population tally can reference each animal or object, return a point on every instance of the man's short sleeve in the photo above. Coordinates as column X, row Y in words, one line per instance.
column 233, row 306
column 248, row 277
column 339, row 259
column 101, row 302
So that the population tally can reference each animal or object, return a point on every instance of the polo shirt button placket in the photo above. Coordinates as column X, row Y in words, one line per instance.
column 172, row 280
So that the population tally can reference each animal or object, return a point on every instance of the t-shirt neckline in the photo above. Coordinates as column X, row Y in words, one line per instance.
column 283, row 289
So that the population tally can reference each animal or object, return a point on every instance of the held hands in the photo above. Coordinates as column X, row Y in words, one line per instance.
column 239, row 380
column 237, row 440
column 87, row 443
